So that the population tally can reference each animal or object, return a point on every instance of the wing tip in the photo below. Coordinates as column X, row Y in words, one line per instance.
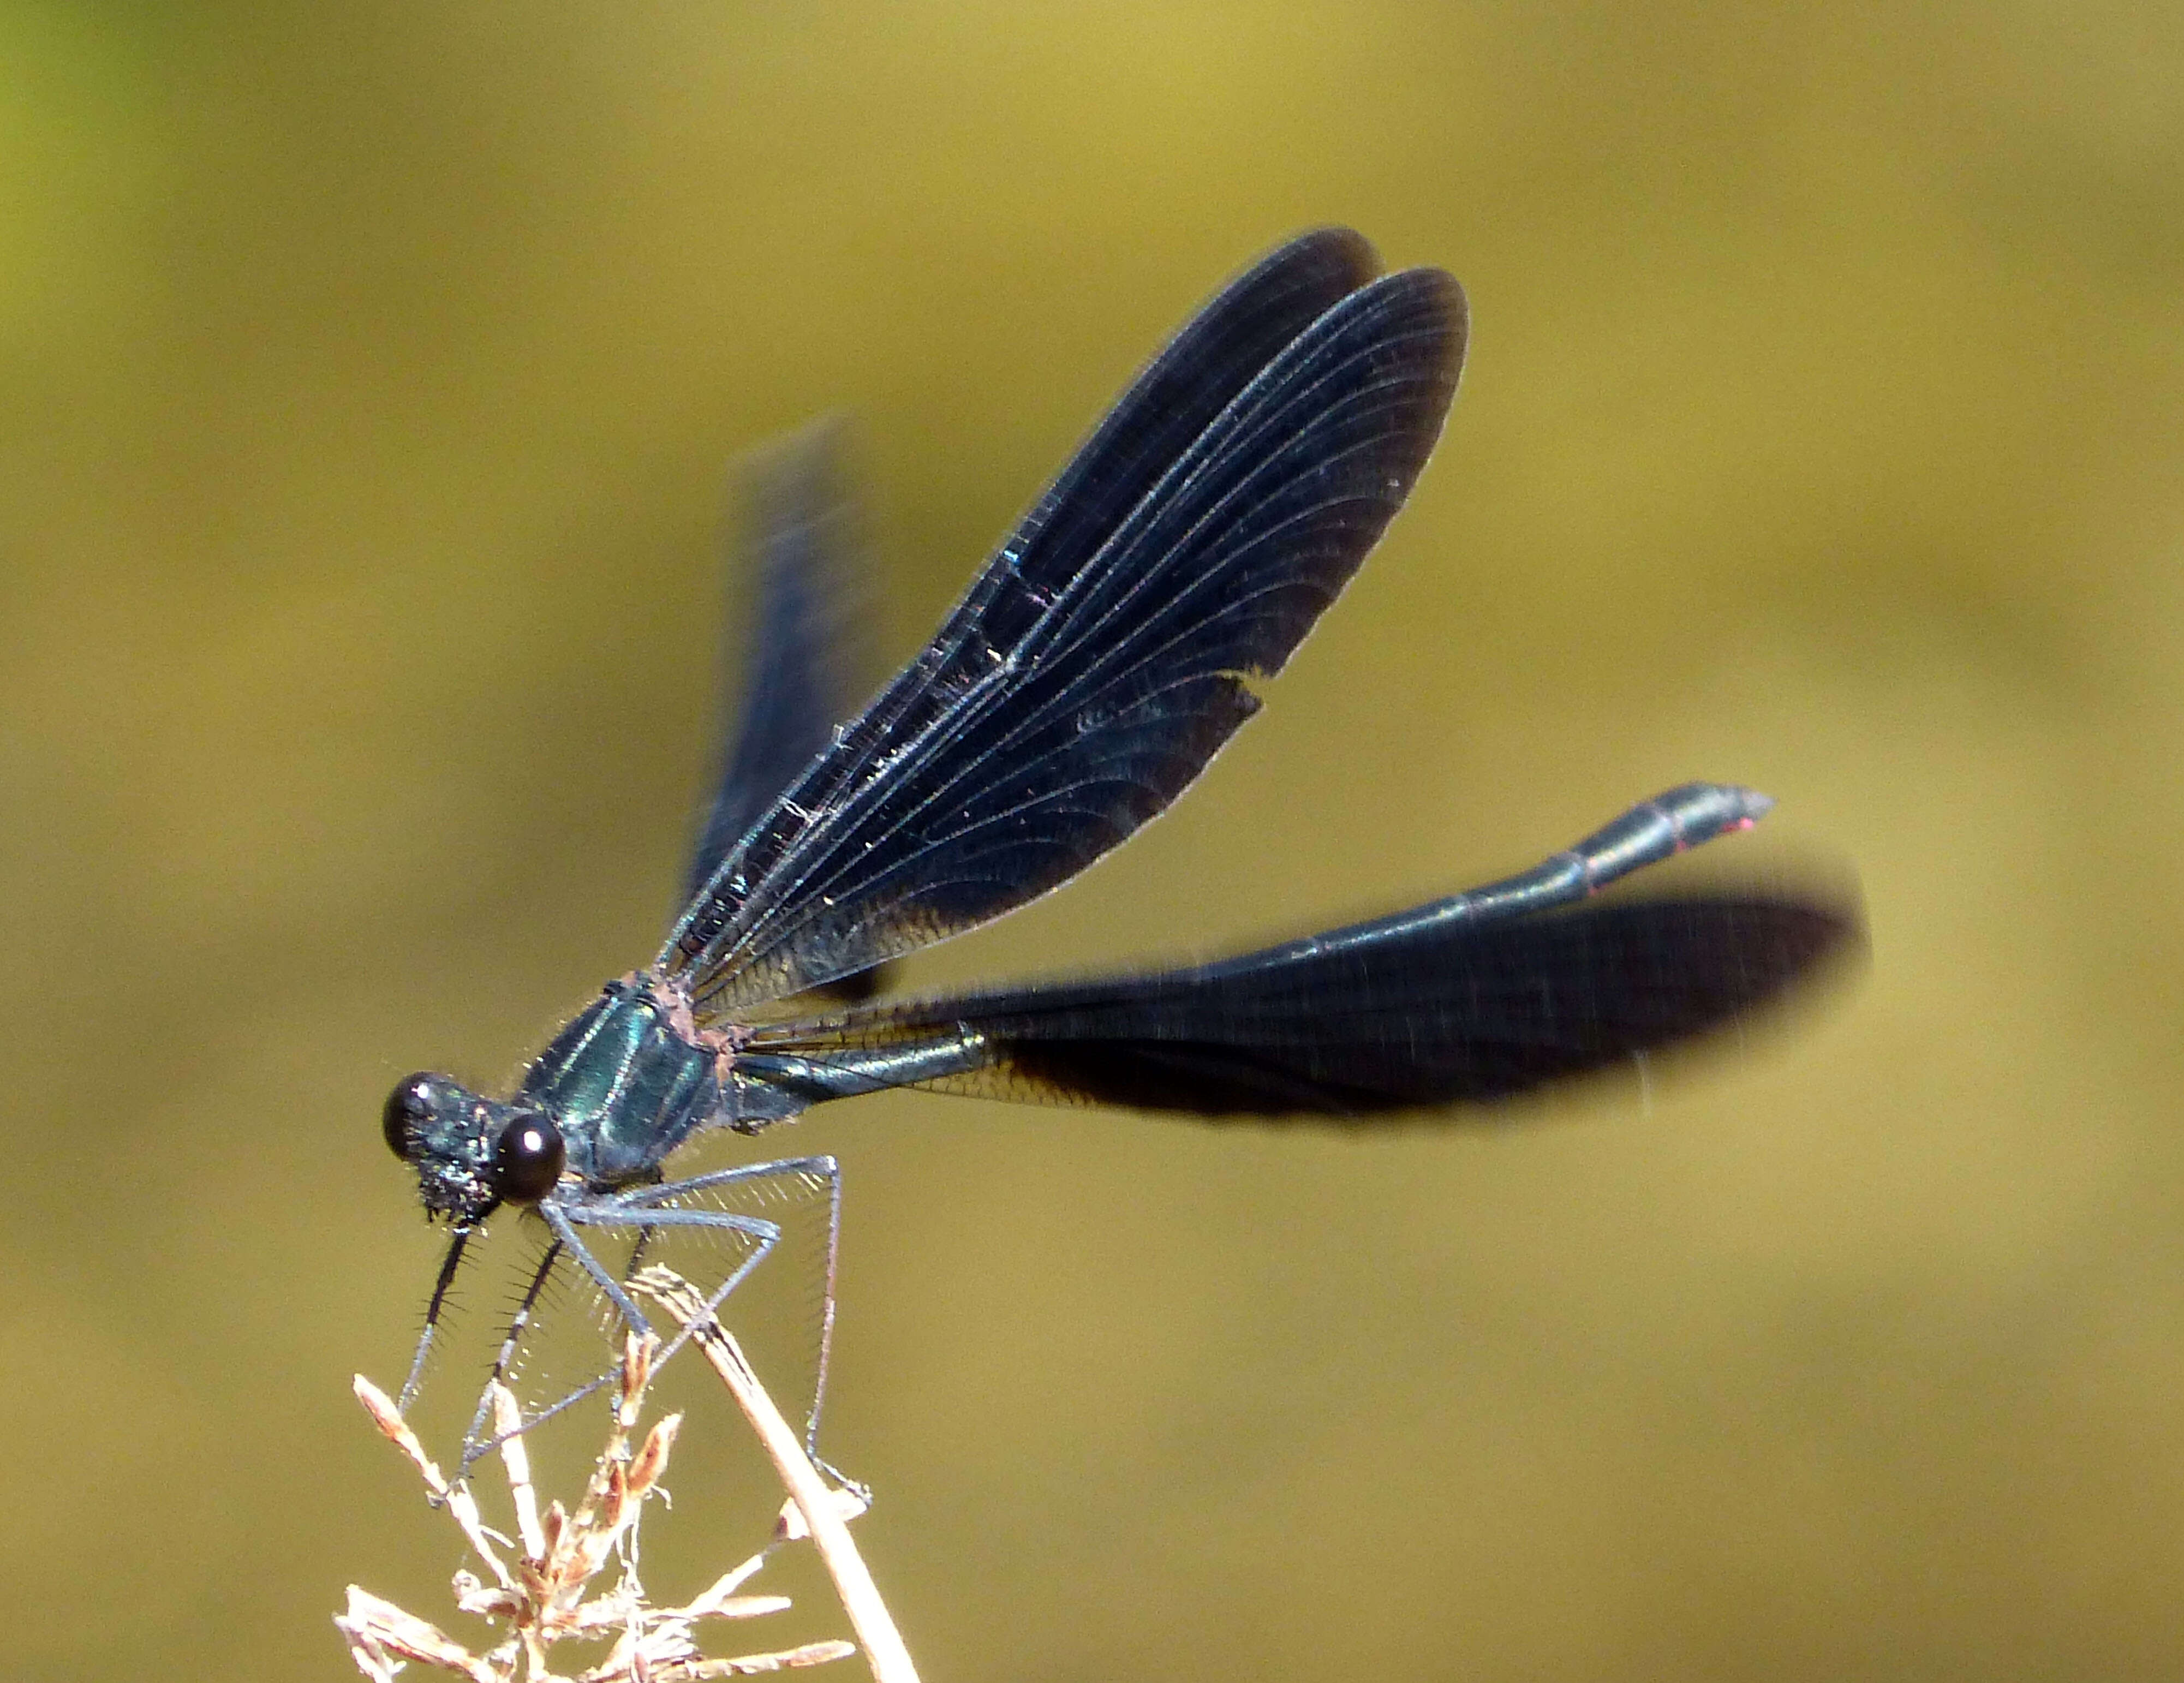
column 1332, row 247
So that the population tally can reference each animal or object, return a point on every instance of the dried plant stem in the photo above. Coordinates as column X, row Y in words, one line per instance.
column 542, row 1597
column 860, row 1597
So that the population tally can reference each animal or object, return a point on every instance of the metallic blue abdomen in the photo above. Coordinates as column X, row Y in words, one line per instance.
column 623, row 1086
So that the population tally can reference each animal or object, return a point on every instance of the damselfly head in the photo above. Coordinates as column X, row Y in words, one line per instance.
column 470, row 1154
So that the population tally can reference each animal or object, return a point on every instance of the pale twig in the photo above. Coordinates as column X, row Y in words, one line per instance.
column 819, row 1505
column 541, row 1601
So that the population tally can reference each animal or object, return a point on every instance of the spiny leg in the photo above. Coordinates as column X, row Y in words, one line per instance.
column 637, row 1254
column 565, row 1238
column 823, row 1168
column 561, row 1214
column 617, row 1212
column 439, row 1302
column 642, row 1208
column 519, row 1324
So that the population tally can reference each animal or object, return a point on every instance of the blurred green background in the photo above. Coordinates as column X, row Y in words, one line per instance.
column 369, row 375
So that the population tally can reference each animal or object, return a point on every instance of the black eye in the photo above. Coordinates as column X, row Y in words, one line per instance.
column 408, row 1105
column 527, row 1161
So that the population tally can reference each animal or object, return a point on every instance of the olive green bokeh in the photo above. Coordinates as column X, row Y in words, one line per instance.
column 369, row 375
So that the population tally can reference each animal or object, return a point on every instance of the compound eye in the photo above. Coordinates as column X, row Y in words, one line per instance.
column 408, row 1107
column 527, row 1161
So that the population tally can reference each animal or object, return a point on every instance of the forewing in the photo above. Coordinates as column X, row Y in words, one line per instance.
column 801, row 661
column 1101, row 660
column 805, row 665
column 1426, row 1013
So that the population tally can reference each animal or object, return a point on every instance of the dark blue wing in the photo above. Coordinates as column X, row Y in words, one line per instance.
column 1101, row 660
column 802, row 659
column 1423, row 1016
column 1475, row 997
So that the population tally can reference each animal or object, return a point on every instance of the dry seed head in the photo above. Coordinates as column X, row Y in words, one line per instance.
column 651, row 1461
column 541, row 1601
